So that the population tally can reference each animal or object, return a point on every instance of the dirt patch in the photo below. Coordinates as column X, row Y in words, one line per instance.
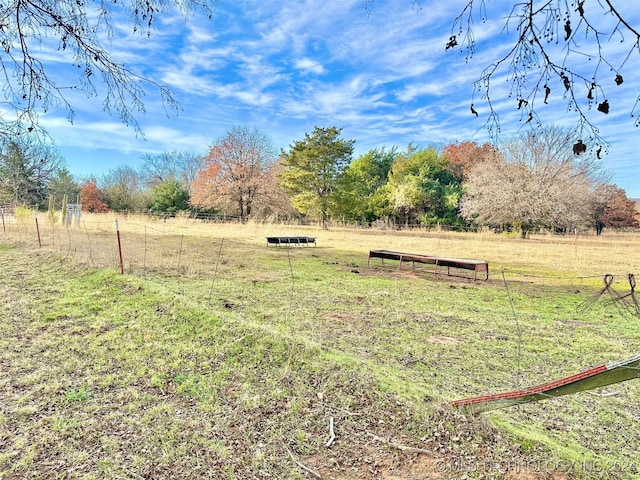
column 344, row 317
column 458, row 447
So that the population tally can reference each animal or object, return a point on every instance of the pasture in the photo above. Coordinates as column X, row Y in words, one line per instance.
column 217, row 356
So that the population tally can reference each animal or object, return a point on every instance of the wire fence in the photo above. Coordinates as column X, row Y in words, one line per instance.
column 511, row 353
column 511, row 350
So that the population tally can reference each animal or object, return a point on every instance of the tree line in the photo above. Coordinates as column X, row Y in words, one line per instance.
column 533, row 182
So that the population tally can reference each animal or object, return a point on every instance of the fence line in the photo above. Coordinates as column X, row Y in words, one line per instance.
column 128, row 246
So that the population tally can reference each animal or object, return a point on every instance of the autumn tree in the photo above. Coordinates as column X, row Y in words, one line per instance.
column 79, row 30
column 233, row 175
column 91, row 198
column 26, row 168
column 554, row 51
column 535, row 183
column 313, row 168
column 612, row 208
column 463, row 156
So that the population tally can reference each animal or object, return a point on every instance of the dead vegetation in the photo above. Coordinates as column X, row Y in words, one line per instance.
column 238, row 365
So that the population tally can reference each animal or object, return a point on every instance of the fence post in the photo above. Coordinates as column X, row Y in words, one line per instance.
column 119, row 248
column 38, row 231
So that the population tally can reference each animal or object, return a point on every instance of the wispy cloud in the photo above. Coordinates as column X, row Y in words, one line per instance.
column 382, row 73
column 306, row 65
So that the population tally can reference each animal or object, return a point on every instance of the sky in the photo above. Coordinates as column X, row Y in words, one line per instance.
column 378, row 70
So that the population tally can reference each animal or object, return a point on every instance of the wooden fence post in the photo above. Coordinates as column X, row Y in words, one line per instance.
column 119, row 248
column 38, row 231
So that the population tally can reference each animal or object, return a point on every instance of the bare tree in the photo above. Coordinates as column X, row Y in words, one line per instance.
column 180, row 166
column 189, row 165
column 274, row 201
column 536, row 183
column 121, row 189
column 555, row 50
column 79, row 30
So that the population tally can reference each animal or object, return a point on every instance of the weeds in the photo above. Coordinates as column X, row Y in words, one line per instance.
column 77, row 395
column 248, row 351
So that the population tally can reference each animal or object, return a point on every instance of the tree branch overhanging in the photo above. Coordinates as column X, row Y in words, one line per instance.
column 554, row 52
column 82, row 31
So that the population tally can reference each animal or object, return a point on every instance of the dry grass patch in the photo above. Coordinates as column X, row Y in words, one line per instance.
column 217, row 355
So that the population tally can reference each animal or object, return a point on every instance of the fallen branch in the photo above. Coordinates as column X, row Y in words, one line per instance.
column 300, row 464
column 333, row 435
column 404, row 448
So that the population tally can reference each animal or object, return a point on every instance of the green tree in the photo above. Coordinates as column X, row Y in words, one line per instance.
column 358, row 193
column 61, row 184
column 313, row 168
column 169, row 197
column 421, row 188
column 26, row 168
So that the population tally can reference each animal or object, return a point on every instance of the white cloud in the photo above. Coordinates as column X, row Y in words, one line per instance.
column 309, row 66
column 283, row 67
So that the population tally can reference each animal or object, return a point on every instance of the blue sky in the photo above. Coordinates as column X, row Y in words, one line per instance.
column 382, row 74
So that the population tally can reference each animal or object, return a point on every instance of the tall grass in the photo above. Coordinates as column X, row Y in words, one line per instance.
column 157, row 243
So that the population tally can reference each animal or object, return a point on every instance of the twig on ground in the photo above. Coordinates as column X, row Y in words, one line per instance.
column 300, row 464
column 351, row 414
column 605, row 394
column 333, row 435
column 404, row 448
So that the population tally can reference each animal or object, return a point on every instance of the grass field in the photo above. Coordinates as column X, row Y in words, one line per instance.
column 215, row 356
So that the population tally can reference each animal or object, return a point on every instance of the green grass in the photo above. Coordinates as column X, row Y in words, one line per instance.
column 77, row 395
column 222, row 370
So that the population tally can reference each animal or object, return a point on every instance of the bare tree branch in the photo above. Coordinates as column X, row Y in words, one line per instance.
column 557, row 51
column 80, row 29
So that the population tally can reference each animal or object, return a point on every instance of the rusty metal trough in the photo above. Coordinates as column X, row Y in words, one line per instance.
column 438, row 262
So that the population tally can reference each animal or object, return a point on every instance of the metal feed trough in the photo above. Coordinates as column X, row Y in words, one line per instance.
column 291, row 241
column 438, row 262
